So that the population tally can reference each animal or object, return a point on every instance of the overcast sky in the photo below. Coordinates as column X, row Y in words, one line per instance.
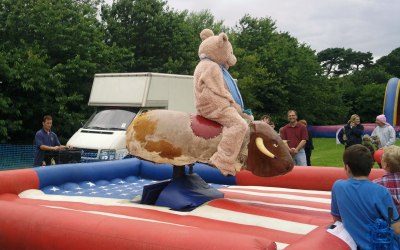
column 362, row 25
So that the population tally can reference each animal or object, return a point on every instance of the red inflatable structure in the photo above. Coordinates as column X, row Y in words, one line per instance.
column 285, row 212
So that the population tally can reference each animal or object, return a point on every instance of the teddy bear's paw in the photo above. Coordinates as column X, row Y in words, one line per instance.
column 224, row 167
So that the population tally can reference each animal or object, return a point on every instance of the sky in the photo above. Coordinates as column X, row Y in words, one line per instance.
column 362, row 25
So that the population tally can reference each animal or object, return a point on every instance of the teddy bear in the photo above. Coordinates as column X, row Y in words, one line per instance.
column 218, row 98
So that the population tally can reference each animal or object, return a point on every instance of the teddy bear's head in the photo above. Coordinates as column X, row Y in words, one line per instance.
column 216, row 48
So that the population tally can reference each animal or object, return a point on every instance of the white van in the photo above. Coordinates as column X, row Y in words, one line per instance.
column 118, row 98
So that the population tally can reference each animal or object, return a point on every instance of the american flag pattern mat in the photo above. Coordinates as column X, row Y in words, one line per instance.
column 280, row 214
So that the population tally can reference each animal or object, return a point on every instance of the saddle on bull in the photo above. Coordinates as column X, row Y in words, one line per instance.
column 179, row 138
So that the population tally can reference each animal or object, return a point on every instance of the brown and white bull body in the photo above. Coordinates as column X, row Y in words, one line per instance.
column 164, row 136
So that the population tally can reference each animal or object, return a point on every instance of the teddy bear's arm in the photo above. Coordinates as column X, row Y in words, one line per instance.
column 213, row 79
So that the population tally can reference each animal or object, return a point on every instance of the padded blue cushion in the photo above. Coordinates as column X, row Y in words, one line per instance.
column 186, row 193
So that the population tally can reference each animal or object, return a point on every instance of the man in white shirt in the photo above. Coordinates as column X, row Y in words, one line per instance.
column 384, row 131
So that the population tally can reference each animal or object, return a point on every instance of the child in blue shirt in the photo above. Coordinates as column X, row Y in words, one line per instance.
column 357, row 202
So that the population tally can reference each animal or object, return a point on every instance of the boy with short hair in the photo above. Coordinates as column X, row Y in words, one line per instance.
column 357, row 202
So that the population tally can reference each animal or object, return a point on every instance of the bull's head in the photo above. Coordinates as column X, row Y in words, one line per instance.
column 267, row 153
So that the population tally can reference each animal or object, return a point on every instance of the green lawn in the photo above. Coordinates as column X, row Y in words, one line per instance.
column 327, row 153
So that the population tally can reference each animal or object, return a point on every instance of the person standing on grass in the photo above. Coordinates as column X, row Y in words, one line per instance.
column 309, row 147
column 296, row 135
column 352, row 132
column 385, row 133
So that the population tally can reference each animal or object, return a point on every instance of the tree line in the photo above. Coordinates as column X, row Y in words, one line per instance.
column 51, row 49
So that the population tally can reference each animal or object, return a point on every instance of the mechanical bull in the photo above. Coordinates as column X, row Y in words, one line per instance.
column 178, row 138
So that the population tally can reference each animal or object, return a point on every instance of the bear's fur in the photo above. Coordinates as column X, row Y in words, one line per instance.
column 214, row 100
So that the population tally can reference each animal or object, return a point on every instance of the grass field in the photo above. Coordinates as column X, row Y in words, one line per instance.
column 327, row 153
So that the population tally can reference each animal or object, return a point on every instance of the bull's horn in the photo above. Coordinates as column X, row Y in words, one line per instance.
column 262, row 148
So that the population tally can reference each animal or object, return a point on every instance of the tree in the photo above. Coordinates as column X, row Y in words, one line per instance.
column 159, row 38
column 330, row 59
column 202, row 20
column 369, row 101
column 372, row 75
column 277, row 73
column 339, row 61
column 364, row 91
column 8, row 123
column 259, row 85
column 51, row 49
column 359, row 59
column 391, row 63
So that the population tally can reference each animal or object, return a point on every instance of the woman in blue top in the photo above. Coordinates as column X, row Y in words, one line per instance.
column 357, row 202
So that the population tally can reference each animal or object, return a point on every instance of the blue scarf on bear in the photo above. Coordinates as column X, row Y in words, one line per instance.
column 232, row 86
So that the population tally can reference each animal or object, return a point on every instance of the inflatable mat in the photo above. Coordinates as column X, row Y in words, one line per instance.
column 95, row 206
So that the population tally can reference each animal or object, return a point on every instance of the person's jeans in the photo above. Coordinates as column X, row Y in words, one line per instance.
column 300, row 158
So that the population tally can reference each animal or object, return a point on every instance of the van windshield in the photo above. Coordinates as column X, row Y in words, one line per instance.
column 110, row 119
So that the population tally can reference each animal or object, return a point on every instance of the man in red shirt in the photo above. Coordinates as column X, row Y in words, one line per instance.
column 296, row 135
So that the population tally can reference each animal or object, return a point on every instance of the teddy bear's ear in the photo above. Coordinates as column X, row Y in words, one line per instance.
column 206, row 33
column 222, row 39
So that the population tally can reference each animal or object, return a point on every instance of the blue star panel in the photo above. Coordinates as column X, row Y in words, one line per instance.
column 126, row 188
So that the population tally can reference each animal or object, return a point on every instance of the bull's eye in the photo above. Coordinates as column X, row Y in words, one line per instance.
column 275, row 145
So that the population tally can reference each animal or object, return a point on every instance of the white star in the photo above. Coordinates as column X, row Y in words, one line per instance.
column 54, row 189
column 91, row 184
